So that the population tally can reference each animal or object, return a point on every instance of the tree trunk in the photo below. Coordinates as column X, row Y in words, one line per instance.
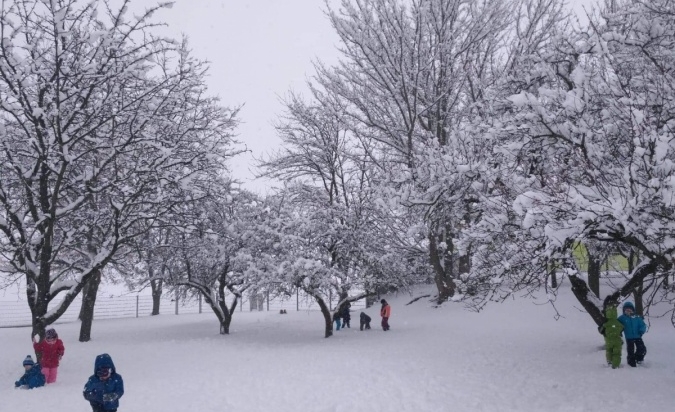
column 39, row 296
column 594, row 266
column 639, row 302
column 38, row 330
column 87, row 309
column 581, row 292
column 326, row 316
column 465, row 263
column 38, row 304
column 219, row 308
column 444, row 282
column 639, row 289
column 228, row 313
column 445, row 286
column 225, row 324
column 156, row 286
column 465, row 259
column 552, row 273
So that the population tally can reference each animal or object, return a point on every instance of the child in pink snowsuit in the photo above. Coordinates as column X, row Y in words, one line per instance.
column 50, row 351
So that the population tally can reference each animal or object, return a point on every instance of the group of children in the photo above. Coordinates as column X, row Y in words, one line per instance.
column 49, row 352
column 103, row 389
column 343, row 317
column 632, row 327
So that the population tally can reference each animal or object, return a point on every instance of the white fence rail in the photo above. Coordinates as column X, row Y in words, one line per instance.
column 17, row 313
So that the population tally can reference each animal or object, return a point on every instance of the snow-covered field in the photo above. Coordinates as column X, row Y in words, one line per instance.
column 511, row 357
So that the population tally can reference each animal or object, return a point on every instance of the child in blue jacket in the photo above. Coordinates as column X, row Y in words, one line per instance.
column 338, row 320
column 633, row 329
column 105, row 387
column 32, row 377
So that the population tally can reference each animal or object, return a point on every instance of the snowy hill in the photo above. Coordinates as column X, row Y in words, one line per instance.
column 512, row 357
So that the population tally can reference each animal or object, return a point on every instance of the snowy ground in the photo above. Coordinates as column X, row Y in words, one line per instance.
column 512, row 357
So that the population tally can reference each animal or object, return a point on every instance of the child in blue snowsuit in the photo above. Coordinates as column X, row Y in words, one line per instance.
column 33, row 377
column 338, row 320
column 105, row 387
column 633, row 329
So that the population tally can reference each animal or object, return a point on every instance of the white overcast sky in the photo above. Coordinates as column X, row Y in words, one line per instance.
column 259, row 50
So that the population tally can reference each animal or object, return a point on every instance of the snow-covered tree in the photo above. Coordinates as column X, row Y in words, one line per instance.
column 334, row 233
column 104, row 126
column 143, row 263
column 417, row 80
column 587, row 157
column 218, row 246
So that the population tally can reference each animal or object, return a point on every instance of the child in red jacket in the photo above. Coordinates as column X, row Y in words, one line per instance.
column 50, row 351
column 385, row 312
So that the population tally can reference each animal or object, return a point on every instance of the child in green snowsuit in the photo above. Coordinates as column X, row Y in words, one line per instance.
column 611, row 330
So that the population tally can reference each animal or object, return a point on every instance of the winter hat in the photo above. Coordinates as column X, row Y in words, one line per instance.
column 628, row 305
column 383, row 301
column 28, row 361
column 51, row 334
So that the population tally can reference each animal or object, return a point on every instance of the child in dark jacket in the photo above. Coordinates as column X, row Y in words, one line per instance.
column 365, row 320
column 612, row 330
column 105, row 387
column 346, row 316
column 633, row 329
column 50, row 351
column 32, row 377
